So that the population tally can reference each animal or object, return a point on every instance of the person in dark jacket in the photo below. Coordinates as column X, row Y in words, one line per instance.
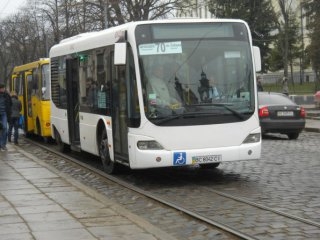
column 5, row 108
column 14, row 119
column 259, row 84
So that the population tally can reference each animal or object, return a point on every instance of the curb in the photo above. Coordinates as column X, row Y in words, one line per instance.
column 311, row 129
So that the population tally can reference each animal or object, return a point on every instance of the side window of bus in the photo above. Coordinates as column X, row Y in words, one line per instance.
column 88, row 85
column 103, row 93
column 45, row 87
column 35, row 80
column 134, row 114
column 29, row 94
column 19, row 87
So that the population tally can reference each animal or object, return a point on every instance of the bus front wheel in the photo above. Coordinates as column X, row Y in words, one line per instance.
column 109, row 166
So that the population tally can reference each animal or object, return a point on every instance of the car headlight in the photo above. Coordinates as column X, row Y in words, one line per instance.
column 252, row 138
column 149, row 145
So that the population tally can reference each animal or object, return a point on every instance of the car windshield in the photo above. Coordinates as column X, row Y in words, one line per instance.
column 199, row 72
column 273, row 99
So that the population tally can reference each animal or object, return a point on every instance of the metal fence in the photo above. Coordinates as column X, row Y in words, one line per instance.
column 276, row 78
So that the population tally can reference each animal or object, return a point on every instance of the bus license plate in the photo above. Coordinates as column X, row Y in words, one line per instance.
column 206, row 159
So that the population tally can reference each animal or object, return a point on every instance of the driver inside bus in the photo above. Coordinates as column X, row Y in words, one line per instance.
column 158, row 90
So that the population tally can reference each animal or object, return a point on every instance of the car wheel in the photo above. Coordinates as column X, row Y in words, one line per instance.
column 293, row 136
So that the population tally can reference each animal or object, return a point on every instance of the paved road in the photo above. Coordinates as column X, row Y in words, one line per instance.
column 286, row 178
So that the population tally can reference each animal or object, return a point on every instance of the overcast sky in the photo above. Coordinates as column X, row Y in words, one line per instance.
column 8, row 7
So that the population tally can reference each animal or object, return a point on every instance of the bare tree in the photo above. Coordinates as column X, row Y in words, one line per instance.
column 285, row 9
column 121, row 11
column 31, row 32
column 312, row 8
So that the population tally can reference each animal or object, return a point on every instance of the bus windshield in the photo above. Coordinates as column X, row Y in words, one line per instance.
column 196, row 73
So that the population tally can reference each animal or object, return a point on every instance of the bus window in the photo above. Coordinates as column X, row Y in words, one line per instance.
column 35, row 79
column 29, row 94
column 134, row 116
column 45, row 90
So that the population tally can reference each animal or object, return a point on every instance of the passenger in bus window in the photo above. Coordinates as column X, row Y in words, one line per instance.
column 259, row 84
column 240, row 89
column 158, row 90
column 92, row 94
column 214, row 93
column 203, row 89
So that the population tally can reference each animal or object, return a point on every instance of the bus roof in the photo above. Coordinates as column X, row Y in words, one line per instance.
column 31, row 65
column 89, row 40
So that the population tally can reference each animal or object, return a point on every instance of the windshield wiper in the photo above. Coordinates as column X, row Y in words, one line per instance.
column 200, row 114
column 225, row 106
column 178, row 116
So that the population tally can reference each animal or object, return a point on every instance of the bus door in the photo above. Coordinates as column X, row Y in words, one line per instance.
column 119, row 113
column 72, row 66
column 27, row 102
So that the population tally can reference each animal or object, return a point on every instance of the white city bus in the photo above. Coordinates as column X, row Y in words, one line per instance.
column 139, row 94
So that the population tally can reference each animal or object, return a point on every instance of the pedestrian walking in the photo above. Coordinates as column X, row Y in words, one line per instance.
column 259, row 84
column 5, row 108
column 14, row 119
column 285, row 88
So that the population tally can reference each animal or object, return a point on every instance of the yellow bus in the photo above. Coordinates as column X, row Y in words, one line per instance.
column 31, row 82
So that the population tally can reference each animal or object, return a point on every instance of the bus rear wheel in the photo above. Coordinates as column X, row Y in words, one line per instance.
column 109, row 166
column 39, row 132
column 61, row 145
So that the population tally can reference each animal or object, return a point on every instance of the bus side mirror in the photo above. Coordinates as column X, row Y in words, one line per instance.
column 257, row 58
column 120, row 53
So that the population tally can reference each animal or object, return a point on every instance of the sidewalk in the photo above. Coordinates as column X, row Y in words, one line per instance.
column 312, row 125
column 38, row 202
column 313, row 118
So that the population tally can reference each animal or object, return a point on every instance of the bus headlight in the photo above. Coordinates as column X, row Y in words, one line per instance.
column 149, row 145
column 252, row 138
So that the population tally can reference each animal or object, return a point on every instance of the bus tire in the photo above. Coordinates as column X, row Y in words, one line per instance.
column 38, row 128
column 39, row 132
column 61, row 145
column 209, row 165
column 109, row 166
